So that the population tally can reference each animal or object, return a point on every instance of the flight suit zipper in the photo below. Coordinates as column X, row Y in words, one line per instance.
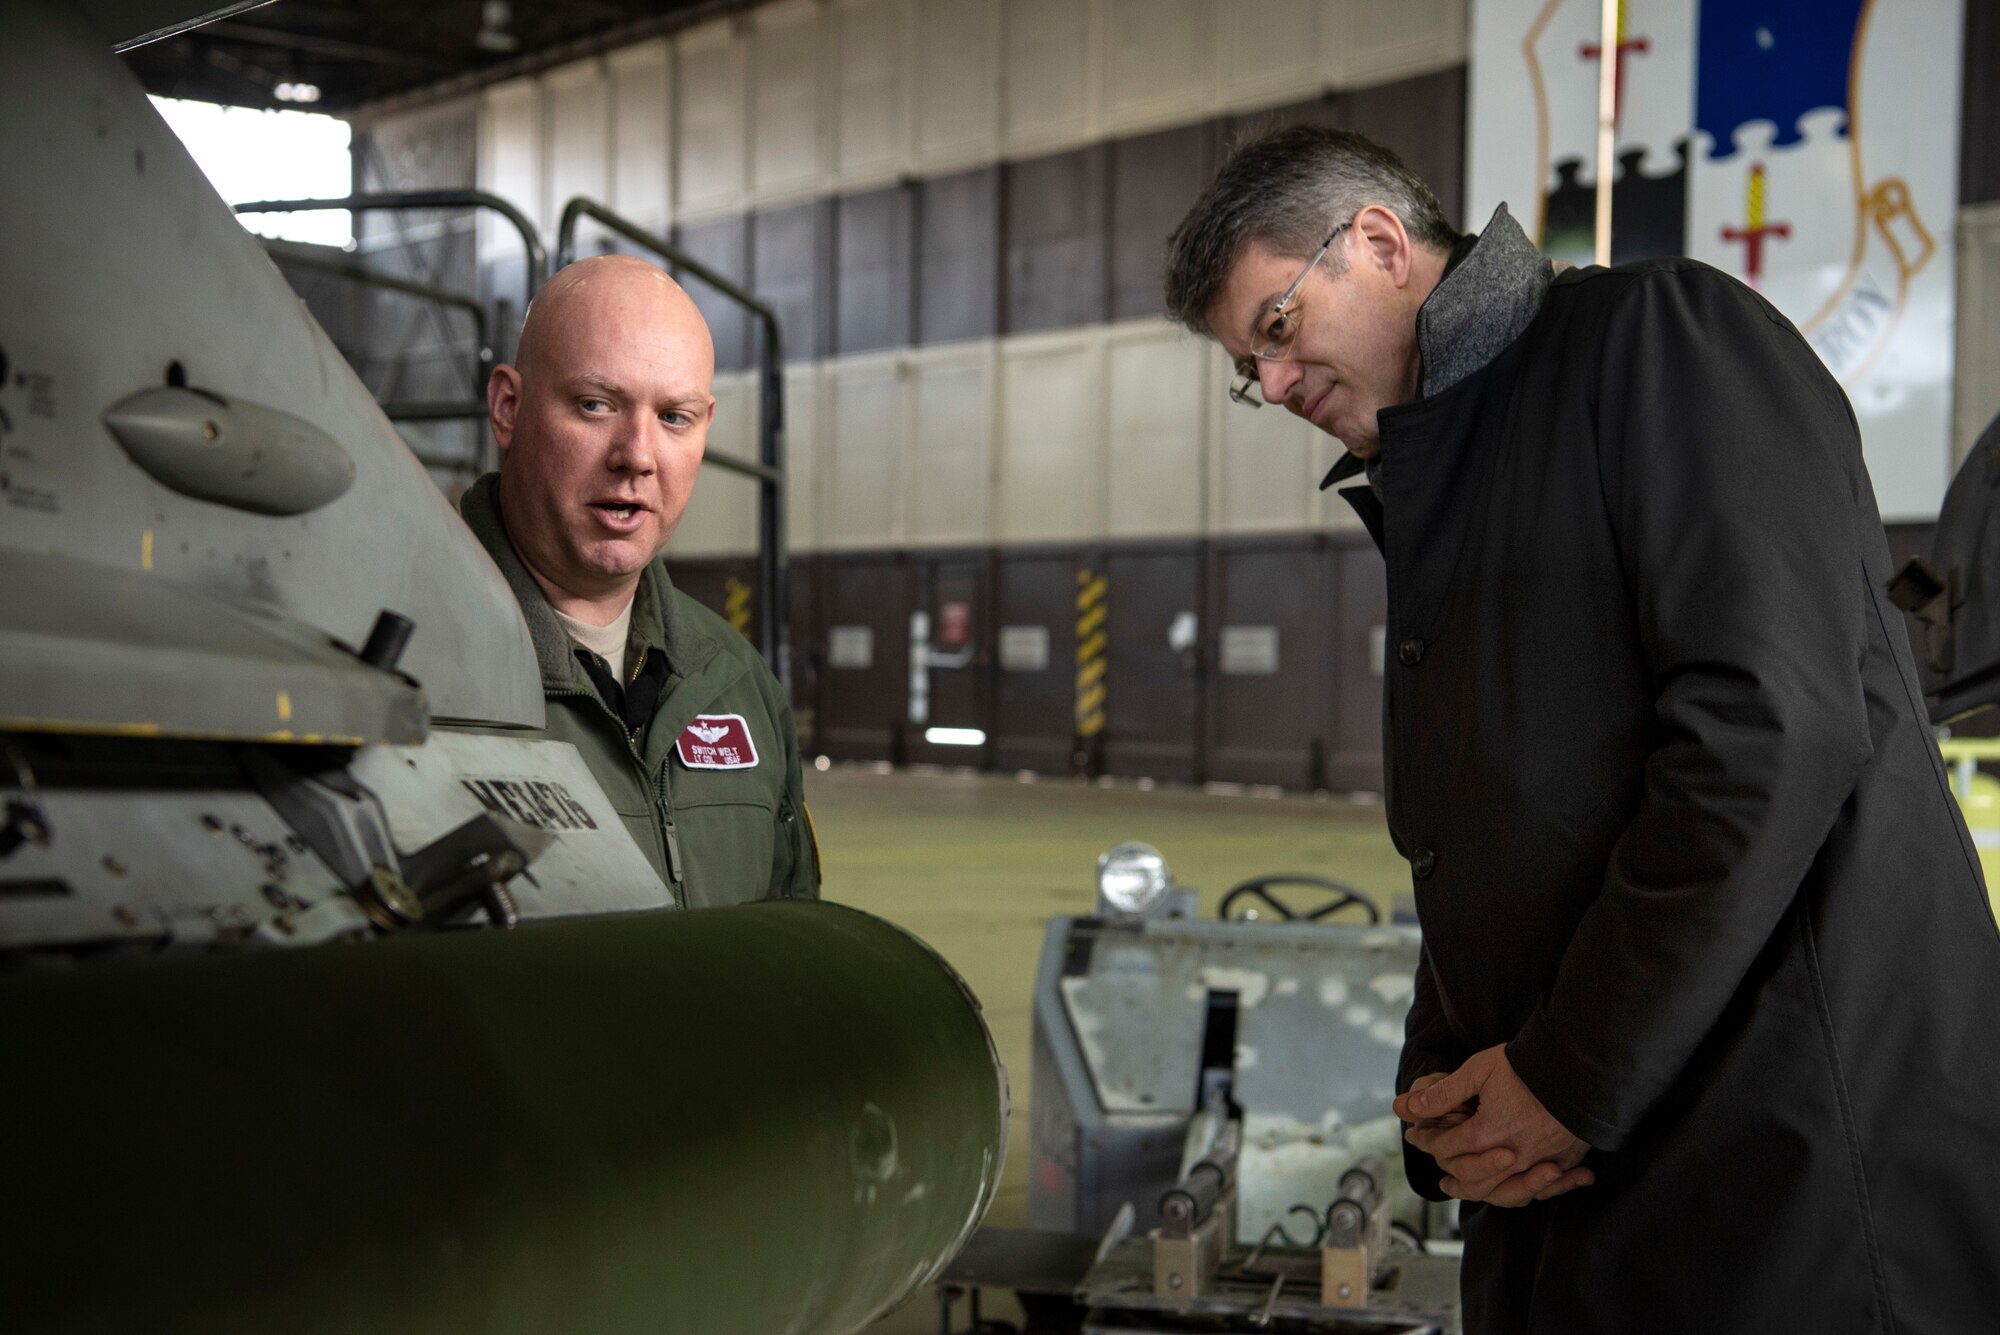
column 676, row 870
column 677, row 876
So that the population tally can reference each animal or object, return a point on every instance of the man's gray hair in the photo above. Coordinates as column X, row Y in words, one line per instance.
column 1285, row 191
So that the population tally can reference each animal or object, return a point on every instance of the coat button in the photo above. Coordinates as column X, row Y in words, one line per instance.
column 1411, row 651
column 1423, row 862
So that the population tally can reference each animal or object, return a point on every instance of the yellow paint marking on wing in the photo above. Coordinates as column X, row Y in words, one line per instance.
column 74, row 725
column 146, row 550
column 285, row 706
column 98, row 729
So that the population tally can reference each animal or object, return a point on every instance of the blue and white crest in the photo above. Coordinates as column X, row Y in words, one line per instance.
column 1808, row 147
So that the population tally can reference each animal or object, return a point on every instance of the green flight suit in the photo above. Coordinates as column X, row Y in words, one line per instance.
column 715, row 836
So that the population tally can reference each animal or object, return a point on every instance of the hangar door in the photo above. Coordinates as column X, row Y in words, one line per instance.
column 1153, row 713
column 1034, row 694
column 950, row 652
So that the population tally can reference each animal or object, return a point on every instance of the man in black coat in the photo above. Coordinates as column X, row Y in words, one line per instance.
column 1706, row 1031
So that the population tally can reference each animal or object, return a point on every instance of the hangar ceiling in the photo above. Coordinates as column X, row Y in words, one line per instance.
column 357, row 52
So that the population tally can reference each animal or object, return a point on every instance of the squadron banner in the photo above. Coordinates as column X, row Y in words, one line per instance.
column 1809, row 147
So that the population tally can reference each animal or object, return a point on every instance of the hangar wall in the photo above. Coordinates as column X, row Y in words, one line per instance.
column 959, row 208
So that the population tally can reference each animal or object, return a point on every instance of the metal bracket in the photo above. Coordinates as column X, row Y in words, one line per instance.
column 1183, row 1268
column 339, row 819
column 436, row 885
column 471, row 865
column 26, row 822
column 1197, row 1227
column 1356, row 1237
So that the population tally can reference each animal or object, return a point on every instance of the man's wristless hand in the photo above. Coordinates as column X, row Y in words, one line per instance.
column 1491, row 1136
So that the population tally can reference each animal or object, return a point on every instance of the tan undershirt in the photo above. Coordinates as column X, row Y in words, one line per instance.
column 607, row 642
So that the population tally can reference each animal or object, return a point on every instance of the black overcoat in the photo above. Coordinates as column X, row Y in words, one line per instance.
column 1679, row 831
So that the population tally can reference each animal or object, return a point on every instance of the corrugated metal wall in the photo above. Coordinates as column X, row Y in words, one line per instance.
column 1246, row 660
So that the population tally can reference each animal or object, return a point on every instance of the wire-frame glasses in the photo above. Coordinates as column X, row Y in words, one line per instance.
column 1276, row 340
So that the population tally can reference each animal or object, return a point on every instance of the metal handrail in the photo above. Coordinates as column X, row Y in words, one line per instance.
column 377, row 201
column 303, row 257
column 773, row 570
column 531, row 240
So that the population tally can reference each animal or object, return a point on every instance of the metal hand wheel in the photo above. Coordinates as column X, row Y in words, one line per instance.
column 1260, row 890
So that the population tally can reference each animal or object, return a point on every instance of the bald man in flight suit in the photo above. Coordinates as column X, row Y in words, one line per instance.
column 601, row 423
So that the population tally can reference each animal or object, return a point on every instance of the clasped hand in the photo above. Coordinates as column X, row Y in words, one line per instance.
column 1492, row 1137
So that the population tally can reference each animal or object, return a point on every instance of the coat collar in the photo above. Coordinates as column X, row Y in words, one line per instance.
column 656, row 622
column 1488, row 295
column 1492, row 290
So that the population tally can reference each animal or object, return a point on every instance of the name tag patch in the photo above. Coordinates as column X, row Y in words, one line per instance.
column 717, row 741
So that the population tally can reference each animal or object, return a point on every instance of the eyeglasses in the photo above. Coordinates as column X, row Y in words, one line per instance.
column 1278, row 336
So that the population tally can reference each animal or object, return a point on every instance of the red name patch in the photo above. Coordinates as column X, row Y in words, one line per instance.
column 717, row 741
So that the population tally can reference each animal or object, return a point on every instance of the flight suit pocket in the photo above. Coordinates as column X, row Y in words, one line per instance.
column 728, row 848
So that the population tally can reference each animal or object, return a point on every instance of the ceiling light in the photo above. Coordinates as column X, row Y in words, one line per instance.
column 496, row 21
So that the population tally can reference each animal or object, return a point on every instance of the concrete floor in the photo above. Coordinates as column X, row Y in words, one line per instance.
column 975, row 864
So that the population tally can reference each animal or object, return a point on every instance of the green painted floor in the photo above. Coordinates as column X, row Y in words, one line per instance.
column 976, row 865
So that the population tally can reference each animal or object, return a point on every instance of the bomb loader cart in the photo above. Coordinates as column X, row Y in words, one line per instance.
column 1212, row 1145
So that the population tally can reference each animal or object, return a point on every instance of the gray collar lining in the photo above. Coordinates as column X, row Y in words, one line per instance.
column 1481, row 305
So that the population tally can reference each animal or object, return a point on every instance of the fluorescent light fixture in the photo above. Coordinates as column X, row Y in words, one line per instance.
column 954, row 736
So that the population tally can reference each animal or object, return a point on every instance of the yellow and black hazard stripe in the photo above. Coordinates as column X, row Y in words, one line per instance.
column 1092, row 650
column 737, row 598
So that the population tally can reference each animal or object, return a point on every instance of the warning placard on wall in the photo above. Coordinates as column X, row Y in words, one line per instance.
column 1024, row 648
column 850, row 647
